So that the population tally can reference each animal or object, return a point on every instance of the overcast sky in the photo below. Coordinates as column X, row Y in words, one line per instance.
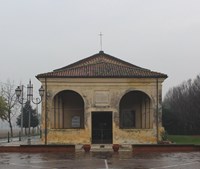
column 38, row 36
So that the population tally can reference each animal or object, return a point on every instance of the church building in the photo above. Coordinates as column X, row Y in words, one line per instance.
column 102, row 100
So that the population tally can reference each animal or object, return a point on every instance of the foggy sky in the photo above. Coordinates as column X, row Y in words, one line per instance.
column 38, row 36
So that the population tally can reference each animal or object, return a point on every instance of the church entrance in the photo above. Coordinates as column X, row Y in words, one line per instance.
column 102, row 127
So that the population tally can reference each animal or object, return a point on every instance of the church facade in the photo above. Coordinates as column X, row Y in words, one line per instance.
column 102, row 100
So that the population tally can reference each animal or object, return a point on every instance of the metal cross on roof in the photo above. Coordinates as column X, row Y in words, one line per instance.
column 100, row 40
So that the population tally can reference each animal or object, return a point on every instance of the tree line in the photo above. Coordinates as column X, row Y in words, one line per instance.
column 181, row 108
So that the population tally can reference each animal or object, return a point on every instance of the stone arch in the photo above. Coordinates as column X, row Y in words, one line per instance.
column 132, row 90
column 135, row 110
column 67, row 110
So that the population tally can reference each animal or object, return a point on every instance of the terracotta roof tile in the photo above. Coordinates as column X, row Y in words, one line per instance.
column 102, row 65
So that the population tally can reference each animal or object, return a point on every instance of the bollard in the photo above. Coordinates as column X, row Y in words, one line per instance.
column 40, row 133
column 20, row 138
column 8, row 137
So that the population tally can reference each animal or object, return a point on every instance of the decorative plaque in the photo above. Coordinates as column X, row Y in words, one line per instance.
column 101, row 98
column 76, row 121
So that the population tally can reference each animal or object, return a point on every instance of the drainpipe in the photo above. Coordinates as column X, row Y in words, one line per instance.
column 157, row 121
column 45, row 111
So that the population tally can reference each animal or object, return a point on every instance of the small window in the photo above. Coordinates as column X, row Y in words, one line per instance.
column 128, row 119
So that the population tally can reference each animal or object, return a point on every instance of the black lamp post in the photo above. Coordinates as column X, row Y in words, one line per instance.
column 20, row 97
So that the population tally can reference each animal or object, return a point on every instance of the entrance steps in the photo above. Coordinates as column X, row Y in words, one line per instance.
column 104, row 147
column 101, row 147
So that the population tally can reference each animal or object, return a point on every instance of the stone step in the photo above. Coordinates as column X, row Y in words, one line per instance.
column 101, row 147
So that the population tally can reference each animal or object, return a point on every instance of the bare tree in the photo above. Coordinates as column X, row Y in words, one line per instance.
column 3, row 108
column 8, row 93
column 181, row 108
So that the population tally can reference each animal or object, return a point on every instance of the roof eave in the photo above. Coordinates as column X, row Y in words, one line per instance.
column 50, row 76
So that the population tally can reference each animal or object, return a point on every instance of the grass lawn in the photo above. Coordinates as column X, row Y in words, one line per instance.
column 182, row 139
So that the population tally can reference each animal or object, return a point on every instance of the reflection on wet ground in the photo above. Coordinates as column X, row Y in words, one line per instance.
column 100, row 160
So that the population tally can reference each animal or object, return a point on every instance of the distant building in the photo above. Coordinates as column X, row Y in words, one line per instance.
column 102, row 99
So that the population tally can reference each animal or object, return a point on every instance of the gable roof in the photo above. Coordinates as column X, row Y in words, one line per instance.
column 102, row 65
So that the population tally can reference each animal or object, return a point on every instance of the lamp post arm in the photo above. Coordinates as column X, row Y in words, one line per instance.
column 37, row 102
column 21, row 101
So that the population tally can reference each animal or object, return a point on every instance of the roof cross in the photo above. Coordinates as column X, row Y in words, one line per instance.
column 100, row 35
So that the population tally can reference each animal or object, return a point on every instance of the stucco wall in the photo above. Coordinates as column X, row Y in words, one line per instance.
column 112, row 91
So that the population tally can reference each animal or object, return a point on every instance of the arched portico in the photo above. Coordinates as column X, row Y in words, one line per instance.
column 135, row 109
column 67, row 110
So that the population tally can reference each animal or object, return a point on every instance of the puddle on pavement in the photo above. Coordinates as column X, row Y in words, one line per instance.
column 139, row 161
column 99, row 155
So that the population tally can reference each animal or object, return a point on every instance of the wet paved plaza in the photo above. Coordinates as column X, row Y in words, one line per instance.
column 100, row 160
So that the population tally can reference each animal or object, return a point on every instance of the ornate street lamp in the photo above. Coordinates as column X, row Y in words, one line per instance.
column 20, row 97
